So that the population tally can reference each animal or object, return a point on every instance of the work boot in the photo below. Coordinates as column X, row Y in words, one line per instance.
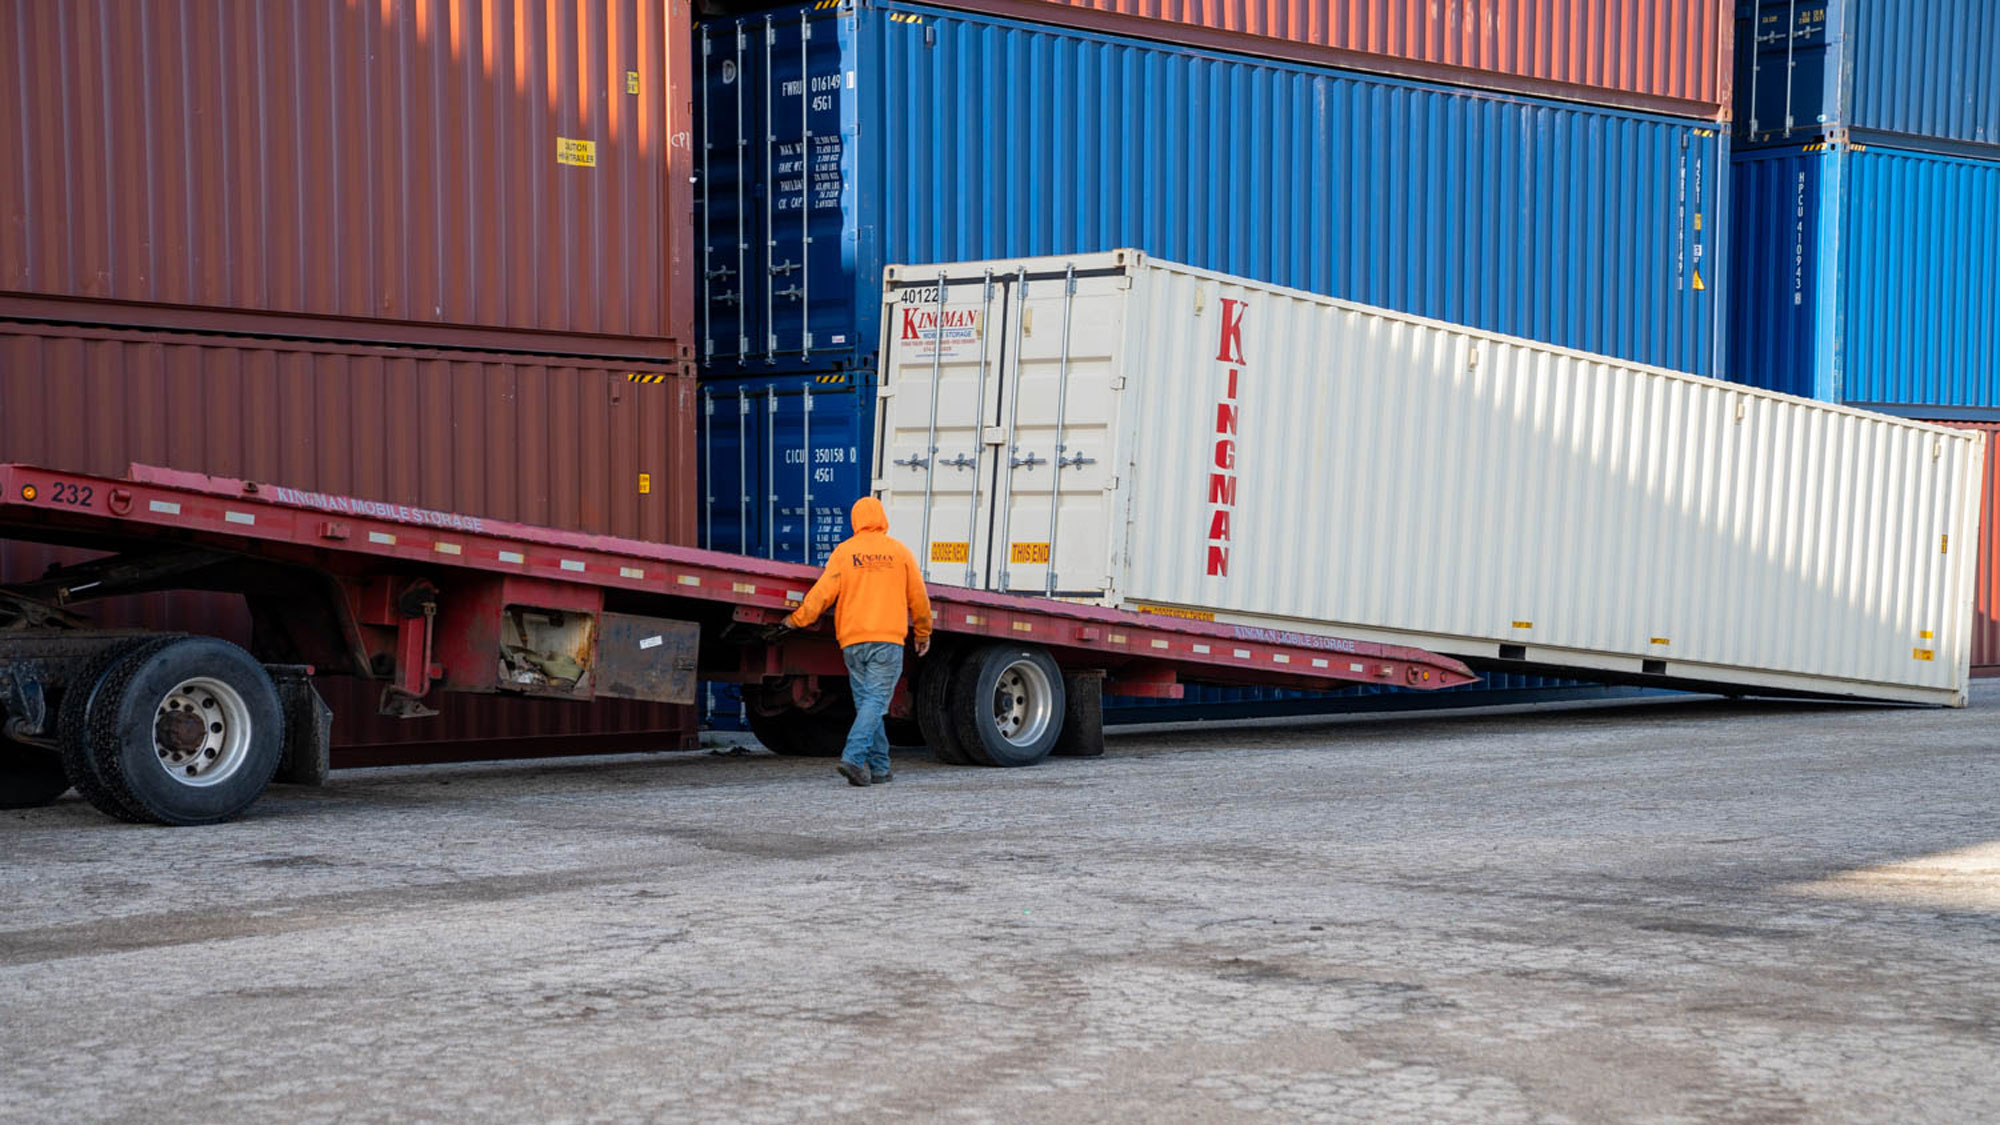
column 881, row 777
column 855, row 775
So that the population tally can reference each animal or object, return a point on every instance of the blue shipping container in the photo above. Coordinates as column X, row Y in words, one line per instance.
column 1921, row 73
column 837, row 139
column 1868, row 275
column 781, row 461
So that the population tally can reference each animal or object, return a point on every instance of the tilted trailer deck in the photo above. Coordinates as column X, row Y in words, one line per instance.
column 184, row 730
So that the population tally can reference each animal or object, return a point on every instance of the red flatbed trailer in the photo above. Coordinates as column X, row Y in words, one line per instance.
column 190, row 730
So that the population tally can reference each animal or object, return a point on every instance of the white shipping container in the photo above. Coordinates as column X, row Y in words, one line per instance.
column 1151, row 436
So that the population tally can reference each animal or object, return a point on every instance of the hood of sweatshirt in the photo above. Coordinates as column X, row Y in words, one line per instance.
column 867, row 515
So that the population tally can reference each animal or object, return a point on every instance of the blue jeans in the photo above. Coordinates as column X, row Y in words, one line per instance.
column 873, row 668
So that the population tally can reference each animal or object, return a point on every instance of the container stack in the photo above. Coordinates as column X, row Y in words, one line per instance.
column 418, row 252
column 1866, row 209
column 1532, row 167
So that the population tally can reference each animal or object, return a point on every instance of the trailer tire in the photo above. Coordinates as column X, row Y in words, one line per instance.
column 30, row 776
column 932, row 702
column 794, row 732
column 187, row 732
column 74, row 737
column 1007, row 705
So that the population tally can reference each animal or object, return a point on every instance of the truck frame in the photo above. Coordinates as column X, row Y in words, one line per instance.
column 177, row 729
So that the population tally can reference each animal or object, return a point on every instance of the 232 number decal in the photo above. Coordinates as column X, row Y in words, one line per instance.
column 63, row 493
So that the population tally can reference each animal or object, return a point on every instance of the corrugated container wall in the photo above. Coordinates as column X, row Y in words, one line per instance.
column 1986, row 599
column 1665, row 56
column 1866, row 275
column 525, row 438
column 1151, row 434
column 505, row 166
column 1923, row 73
column 835, row 140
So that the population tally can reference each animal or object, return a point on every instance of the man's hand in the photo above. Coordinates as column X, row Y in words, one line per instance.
column 775, row 633
column 923, row 646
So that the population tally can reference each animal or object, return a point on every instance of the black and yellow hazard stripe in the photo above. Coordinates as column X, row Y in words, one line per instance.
column 829, row 378
column 904, row 17
column 640, row 377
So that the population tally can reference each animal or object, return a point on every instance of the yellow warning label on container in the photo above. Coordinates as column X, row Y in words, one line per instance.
column 1029, row 553
column 1944, row 544
column 1171, row 611
column 582, row 154
column 1697, row 220
column 645, row 483
column 1922, row 654
column 1926, row 634
column 1662, row 642
column 1700, row 286
column 1524, row 624
column 631, row 81
column 951, row 552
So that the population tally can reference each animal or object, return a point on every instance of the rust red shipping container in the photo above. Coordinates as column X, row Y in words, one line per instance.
column 506, row 166
column 1986, row 597
column 1663, row 56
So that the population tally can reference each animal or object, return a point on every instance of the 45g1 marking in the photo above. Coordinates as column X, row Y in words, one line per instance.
column 65, row 493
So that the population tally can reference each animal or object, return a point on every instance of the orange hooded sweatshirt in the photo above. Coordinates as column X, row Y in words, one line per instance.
column 876, row 582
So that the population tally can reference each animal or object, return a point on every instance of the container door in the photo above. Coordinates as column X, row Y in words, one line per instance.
column 772, row 209
column 781, row 465
column 995, row 453
column 728, row 203
column 1053, row 512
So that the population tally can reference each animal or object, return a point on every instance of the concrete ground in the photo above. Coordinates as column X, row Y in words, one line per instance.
column 1682, row 912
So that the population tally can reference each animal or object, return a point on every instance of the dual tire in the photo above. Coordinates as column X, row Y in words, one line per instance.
column 172, row 730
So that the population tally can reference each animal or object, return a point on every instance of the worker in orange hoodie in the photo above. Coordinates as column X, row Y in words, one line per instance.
column 877, row 590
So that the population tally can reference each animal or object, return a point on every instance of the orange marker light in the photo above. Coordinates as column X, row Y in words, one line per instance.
column 28, row 492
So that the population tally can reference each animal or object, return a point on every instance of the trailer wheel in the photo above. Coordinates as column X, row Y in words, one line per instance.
column 30, row 776
column 795, row 732
column 932, row 702
column 1007, row 705
column 73, row 730
column 186, row 732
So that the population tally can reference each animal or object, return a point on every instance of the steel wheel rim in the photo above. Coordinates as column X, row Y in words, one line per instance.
column 1023, row 703
column 201, row 732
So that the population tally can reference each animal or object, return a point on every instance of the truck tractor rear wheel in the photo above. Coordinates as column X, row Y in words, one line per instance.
column 1007, row 705
column 186, row 732
column 30, row 776
column 931, row 698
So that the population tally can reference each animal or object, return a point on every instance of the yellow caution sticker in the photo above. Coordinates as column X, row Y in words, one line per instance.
column 580, row 154
column 1524, row 624
column 1700, row 286
column 1028, row 553
column 632, row 83
column 1662, row 642
column 1174, row 611
column 950, row 552
column 645, row 483
column 1922, row 654
column 1926, row 634
column 1944, row 544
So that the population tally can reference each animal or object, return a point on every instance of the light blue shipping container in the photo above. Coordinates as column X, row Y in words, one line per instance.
column 1868, row 275
column 835, row 139
column 1918, row 73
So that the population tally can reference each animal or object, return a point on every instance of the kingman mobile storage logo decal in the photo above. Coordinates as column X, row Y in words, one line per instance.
column 1222, row 473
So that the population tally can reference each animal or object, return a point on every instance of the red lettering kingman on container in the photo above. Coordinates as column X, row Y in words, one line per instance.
column 1222, row 478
